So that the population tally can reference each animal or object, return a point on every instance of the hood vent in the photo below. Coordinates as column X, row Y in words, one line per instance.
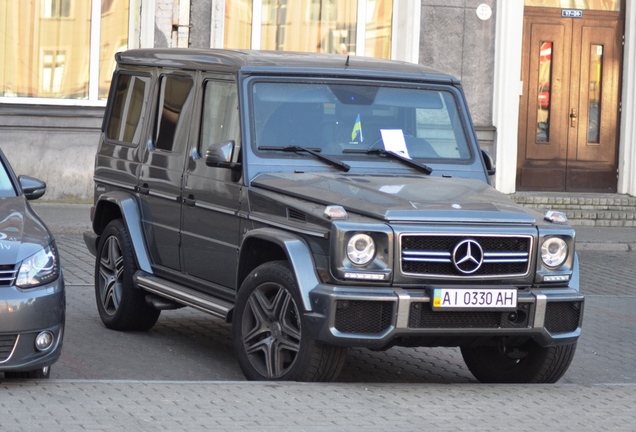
column 296, row 215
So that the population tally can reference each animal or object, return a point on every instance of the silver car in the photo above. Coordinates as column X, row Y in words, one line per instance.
column 32, row 297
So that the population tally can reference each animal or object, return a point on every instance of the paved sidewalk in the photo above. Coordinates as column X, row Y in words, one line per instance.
column 238, row 406
column 75, row 219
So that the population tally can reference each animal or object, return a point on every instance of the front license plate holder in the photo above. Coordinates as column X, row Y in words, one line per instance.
column 474, row 299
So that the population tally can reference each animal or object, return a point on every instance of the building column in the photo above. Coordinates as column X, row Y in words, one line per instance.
column 507, row 89
column 627, row 147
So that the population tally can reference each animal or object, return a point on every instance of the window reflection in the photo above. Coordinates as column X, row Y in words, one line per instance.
column 544, row 92
column 45, row 51
column 378, row 28
column 326, row 26
column 594, row 98
column 113, row 38
column 238, row 24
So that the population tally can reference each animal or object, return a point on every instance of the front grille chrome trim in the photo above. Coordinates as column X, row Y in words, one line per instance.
column 445, row 257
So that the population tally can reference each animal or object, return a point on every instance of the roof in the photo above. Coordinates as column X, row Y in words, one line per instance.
column 279, row 62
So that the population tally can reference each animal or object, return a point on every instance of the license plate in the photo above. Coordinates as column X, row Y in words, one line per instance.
column 486, row 298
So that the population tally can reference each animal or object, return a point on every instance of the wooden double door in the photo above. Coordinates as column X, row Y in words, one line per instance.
column 569, row 108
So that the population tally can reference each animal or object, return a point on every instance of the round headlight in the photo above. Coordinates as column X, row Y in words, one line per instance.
column 554, row 251
column 361, row 249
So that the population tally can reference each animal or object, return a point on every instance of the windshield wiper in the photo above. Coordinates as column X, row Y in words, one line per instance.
column 314, row 152
column 406, row 161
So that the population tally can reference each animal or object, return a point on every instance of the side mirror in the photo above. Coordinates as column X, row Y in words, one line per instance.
column 32, row 188
column 220, row 155
column 489, row 162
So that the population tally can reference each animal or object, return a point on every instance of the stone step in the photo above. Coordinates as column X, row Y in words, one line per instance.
column 584, row 209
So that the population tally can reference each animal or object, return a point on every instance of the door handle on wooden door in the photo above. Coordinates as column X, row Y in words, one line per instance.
column 573, row 117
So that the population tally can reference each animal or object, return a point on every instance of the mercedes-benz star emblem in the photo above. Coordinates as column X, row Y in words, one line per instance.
column 468, row 256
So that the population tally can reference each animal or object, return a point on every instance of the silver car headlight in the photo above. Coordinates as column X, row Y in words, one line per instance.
column 39, row 269
column 360, row 249
column 554, row 252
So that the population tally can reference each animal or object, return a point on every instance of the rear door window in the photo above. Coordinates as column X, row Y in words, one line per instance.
column 128, row 105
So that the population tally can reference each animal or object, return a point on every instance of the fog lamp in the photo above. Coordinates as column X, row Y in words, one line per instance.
column 44, row 341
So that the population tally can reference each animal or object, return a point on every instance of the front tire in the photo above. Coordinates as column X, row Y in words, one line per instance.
column 270, row 334
column 121, row 305
column 527, row 363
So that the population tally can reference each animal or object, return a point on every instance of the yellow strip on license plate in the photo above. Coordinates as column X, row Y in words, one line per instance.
column 487, row 298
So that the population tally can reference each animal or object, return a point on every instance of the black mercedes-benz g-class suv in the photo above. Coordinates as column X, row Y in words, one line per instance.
column 320, row 202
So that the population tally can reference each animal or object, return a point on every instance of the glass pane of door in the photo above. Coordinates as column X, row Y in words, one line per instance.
column 543, row 99
column 594, row 101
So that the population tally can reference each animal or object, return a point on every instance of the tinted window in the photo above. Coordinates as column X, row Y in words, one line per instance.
column 126, row 108
column 175, row 91
column 345, row 120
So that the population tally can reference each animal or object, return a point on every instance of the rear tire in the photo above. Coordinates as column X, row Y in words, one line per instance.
column 270, row 334
column 121, row 305
column 527, row 363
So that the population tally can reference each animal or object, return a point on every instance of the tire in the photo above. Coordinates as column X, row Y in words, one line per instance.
column 121, row 305
column 270, row 334
column 527, row 363
column 42, row 373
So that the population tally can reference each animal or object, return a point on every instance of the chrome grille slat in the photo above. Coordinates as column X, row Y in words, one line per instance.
column 7, row 275
column 431, row 255
column 7, row 345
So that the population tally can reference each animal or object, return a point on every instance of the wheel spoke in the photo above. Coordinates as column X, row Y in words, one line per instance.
column 271, row 333
column 111, row 270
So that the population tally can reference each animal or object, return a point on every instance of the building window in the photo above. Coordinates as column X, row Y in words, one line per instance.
column 56, row 8
column 52, row 71
column 52, row 49
column 328, row 26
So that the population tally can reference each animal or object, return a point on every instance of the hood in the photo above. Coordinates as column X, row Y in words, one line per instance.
column 400, row 198
column 22, row 233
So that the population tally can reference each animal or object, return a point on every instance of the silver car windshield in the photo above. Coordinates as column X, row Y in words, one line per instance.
column 350, row 121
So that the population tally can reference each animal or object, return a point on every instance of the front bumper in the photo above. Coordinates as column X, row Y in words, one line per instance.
column 380, row 318
column 24, row 313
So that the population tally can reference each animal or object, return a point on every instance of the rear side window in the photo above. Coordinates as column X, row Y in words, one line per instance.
column 175, row 93
column 127, row 106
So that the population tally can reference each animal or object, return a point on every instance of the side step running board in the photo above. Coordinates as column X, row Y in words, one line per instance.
column 183, row 295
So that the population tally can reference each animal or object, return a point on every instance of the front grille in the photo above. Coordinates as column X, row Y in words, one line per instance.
column 7, row 274
column 7, row 343
column 362, row 316
column 562, row 317
column 441, row 255
column 421, row 316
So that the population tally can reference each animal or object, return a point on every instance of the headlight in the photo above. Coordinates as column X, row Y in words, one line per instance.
column 554, row 252
column 361, row 249
column 39, row 268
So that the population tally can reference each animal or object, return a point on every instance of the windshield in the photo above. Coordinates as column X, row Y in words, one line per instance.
column 347, row 120
column 6, row 186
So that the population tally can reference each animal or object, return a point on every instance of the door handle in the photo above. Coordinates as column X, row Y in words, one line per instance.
column 573, row 118
column 190, row 201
